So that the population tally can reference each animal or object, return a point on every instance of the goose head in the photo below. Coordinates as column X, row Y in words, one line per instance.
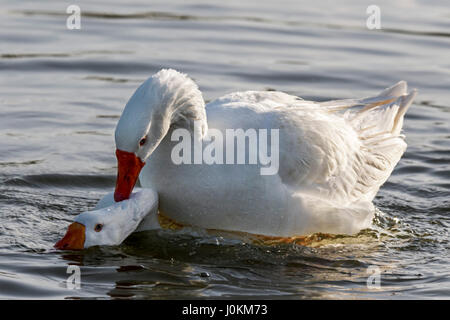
column 166, row 98
column 110, row 222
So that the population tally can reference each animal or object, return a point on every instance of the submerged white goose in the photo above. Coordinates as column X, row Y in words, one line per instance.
column 333, row 157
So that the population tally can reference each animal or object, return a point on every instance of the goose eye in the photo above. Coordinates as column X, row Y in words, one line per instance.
column 142, row 141
column 98, row 227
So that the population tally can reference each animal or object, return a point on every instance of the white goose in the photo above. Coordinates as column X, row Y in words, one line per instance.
column 333, row 158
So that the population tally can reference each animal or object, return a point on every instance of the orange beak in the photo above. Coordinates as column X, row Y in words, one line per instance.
column 128, row 168
column 74, row 238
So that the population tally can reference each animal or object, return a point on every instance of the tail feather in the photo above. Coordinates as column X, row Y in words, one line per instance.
column 381, row 114
column 381, row 119
column 405, row 103
column 398, row 89
column 386, row 96
column 377, row 121
column 379, row 129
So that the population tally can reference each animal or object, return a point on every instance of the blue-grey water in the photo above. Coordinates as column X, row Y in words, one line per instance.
column 62, row 92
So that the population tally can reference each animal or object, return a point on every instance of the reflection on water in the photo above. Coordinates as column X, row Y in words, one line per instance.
column 62, row 91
